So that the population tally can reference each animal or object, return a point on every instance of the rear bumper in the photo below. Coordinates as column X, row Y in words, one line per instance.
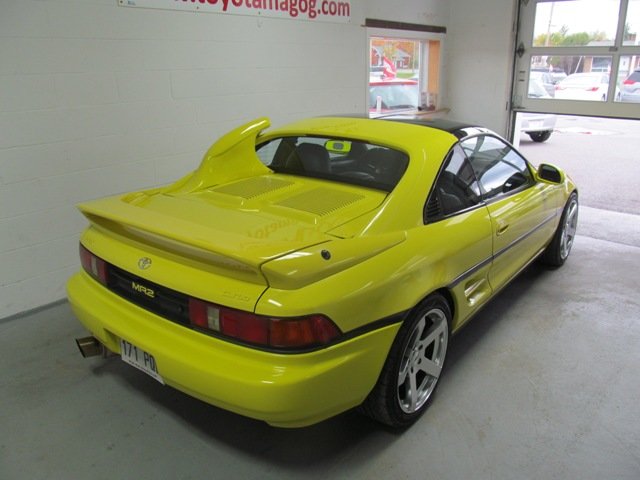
column 288, row 390
column 538, row 122
column 633, row 97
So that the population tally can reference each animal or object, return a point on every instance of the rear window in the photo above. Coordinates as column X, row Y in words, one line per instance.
column 337, row 159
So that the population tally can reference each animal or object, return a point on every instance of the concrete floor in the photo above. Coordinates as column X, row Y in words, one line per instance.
column 543, row 384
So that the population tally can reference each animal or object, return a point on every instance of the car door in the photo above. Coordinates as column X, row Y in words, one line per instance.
column 520, row 209
column 458, row 231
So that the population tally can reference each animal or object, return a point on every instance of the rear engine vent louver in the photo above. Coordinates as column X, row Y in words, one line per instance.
column 321, row 201
column 253, row 187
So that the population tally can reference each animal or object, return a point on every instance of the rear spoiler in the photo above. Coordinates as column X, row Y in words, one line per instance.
column 232, row 157
column 114, row 216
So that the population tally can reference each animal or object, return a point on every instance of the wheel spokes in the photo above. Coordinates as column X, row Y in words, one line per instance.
column 422, row 361
column 431, row 368
column 569, row 230
column 404, row 371
column 412, row 391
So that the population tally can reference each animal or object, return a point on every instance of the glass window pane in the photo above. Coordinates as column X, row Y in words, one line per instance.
column 498, row 167
column 457, row 187
column 403, row 74
column 632, row 24
column 566, row 77
column 629, row 79
column 576, row 23
column 337, row 159
column 394, row 71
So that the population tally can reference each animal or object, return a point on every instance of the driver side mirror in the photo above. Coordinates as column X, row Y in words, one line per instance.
column 549, row 173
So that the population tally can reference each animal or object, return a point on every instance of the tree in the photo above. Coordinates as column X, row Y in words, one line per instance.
column 562, row 38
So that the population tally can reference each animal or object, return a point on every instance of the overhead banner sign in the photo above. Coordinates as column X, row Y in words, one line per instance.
column 313, row 10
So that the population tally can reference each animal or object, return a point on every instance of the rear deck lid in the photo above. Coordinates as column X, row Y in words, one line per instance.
column 240, row 225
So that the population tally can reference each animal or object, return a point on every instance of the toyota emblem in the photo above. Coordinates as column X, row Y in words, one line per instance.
column 144, row 263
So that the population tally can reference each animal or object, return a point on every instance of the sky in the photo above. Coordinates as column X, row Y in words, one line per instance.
column 584, row 16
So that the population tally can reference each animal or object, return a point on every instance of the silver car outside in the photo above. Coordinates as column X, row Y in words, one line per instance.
column 630, row 88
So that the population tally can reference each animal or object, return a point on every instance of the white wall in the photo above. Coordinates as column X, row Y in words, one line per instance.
column 97, row 99
column 423, row 12
column 480, row 46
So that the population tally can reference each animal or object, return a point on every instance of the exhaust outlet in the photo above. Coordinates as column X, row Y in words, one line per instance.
column 90, row 347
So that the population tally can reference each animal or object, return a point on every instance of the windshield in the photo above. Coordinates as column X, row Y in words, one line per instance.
column 337, row 159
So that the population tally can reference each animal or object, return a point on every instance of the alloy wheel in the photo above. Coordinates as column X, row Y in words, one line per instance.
column 569, row 229
column 422, row 360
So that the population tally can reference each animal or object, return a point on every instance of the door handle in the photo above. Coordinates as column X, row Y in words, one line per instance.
column 502, row 227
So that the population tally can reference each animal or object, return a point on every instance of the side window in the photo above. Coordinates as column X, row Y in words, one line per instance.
column 456, row 188
column 498, row 167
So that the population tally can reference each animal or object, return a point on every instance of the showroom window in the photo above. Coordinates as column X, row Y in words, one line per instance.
column 584, row 53
column 404, row 70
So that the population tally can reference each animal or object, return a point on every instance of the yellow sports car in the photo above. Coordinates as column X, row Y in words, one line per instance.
column 324, row 265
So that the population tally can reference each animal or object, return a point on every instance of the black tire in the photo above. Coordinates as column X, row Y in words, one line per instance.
column 558, row 250
column 540, row 137
column 418, row 354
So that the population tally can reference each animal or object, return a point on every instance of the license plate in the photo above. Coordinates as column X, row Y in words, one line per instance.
column 536, row 124
column 140, row 359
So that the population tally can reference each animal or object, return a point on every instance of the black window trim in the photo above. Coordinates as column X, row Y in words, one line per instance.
column 481, row 203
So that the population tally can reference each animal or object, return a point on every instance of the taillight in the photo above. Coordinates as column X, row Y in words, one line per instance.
column 560, row 87
column 592, row 89
column 277, row 333
column 316, row 329
column 628, row 81
column 93, row 265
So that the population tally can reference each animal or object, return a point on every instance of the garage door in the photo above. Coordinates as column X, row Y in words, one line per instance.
column 578, row 57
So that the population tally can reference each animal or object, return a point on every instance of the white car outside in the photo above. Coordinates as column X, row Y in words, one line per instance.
column 539, row 126
column 584, row 86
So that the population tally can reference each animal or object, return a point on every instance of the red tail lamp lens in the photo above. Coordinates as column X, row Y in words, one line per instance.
column 93, row 265
column 245, row 326
column 305, row 331
column 255, row 329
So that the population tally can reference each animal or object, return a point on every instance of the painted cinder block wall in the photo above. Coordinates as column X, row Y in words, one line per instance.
column 97, row 99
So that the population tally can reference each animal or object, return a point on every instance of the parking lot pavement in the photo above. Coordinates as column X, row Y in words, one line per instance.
column 600, row 155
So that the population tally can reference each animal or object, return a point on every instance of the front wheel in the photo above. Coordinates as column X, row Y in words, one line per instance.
column 414, row 366
column 558, row 250
column 540, row 137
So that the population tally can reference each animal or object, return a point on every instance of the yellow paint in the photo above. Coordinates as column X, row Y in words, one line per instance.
column 236, row 234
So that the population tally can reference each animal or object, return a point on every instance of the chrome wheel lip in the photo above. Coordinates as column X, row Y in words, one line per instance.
column 421, row 365
column 569, row 227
